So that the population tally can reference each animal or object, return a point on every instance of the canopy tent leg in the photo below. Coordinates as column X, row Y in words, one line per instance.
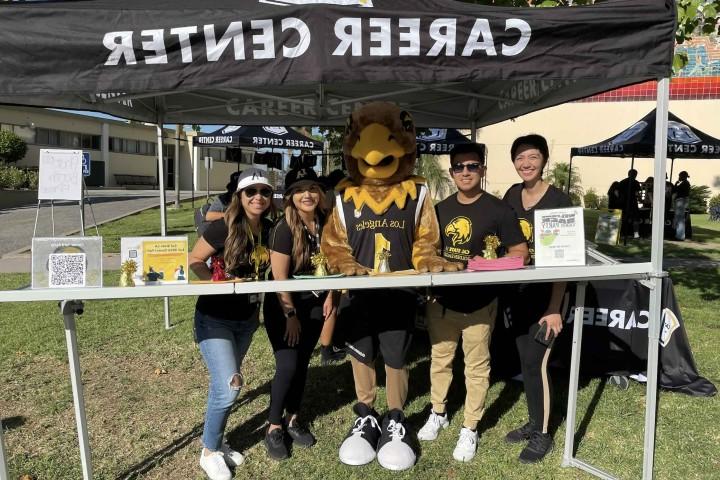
column 69, row 308
column 163, row 212
column 569, row 175
column 672, row 165
column 3, row 462
column 656, row 257
column 176, row 160
column 632, row 162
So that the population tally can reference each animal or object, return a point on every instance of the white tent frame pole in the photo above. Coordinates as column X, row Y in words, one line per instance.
column 3, row 460
column 656, row 258
column 161, row 185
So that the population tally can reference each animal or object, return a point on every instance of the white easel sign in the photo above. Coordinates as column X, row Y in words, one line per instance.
column 559, row 237
column 60, row 175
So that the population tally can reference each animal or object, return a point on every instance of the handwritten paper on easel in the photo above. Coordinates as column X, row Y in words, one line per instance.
column 60, row 176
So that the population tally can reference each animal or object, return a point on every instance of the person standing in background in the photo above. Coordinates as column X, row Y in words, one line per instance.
column 681, row 190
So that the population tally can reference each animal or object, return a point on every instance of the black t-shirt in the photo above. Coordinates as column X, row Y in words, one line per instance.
column 553, row 198
column 463, row 229
column 530, row 300
column 682, row 189
column 231, row 306
column 281, row 241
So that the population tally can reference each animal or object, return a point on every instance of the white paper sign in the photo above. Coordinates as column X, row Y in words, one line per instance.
column 559, row 237
column 60, row 175
column 67, row 262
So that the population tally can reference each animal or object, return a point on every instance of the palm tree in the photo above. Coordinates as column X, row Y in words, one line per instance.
column 559, row 176
column 438, row 182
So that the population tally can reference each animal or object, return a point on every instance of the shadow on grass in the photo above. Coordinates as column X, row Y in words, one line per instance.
column 156, row 458
column 11, row 423
column 706, row 281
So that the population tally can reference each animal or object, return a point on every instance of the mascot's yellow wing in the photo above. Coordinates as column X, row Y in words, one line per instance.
column 427, row 242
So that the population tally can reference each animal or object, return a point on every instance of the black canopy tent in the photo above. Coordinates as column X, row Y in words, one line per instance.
column 440, row 141
column 638, row 140
column 253, row 62
column 258, row 137
column 234, row 136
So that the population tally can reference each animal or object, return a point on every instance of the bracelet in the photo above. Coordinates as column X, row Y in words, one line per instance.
column 290, row 313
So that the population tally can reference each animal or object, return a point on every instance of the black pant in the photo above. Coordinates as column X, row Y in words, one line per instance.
column 529, row 307
column 291, row 363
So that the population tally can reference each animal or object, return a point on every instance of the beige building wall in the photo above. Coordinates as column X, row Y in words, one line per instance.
column 578, row 124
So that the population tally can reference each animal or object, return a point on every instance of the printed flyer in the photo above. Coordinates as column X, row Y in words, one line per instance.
column 158, row 260
column 608, row 227
column 67, row 262
column 559, row 237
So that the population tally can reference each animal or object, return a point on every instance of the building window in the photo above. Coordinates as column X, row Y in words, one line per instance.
column 42, row 136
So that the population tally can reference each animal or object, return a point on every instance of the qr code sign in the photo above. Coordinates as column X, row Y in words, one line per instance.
column 67, row 270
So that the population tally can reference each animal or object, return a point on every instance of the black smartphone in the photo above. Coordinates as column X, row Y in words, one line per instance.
column 540, row 336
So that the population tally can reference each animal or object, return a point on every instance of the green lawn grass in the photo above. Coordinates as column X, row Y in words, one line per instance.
column 146, row 424
column 147, row 223
column 705, row 244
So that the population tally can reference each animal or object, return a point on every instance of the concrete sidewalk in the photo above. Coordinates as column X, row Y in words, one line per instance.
column 107, row 205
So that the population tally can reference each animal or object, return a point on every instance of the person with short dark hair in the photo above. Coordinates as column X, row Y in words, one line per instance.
column 217, row 208
column 681, row 190
column 468, row 220
column 629, row 189
column 534, row 306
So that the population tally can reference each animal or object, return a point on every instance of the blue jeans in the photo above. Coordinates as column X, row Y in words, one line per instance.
column 223, row 345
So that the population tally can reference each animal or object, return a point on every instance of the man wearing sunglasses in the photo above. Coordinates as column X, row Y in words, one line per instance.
column 467, row 220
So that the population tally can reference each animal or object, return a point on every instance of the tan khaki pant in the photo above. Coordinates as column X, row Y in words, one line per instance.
column 445, row 328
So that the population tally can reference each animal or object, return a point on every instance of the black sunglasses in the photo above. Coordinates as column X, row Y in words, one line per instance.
column 252, row 191
column 471, row 167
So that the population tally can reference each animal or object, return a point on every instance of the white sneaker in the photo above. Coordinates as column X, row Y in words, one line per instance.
column 232, row 458
column 432, row 427
column 214, row 466
column 466, row 445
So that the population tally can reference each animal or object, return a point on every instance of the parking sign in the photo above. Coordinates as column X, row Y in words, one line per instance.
column 86, row 164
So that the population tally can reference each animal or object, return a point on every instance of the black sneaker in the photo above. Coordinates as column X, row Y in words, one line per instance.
column 330, row 354
column 540, row 444
column 360, row 444
column 519, row 435
column 300, row 435
column 394, row 450
column 275, row 444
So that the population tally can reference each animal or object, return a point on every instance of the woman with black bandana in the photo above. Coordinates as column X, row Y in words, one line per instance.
column 294, row 320
column 535, row 306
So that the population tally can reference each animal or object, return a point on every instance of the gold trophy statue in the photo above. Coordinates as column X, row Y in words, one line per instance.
column 127, row 271
column 491, row 245
column 383, row 261
column 319, row 261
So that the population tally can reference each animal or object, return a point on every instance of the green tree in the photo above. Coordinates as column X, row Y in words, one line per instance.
column 12, row 147
column 699, row 195
column 559, row 176
column 438, row 182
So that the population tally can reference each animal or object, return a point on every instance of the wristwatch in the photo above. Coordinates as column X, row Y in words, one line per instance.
column 290, row 313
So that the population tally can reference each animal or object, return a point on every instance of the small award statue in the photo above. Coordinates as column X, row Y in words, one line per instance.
column 319, row 261
column 384, row 261
column 127, row 271
column 491, row 244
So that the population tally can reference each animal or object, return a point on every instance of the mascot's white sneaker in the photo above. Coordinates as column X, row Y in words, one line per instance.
column 432, row 427
column 394, row 451
column 359, row 446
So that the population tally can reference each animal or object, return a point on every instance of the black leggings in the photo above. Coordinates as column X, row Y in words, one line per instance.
column 291, row 363
column 534, row 358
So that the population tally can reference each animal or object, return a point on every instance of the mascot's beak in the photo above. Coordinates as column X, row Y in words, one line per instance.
column 377, row 152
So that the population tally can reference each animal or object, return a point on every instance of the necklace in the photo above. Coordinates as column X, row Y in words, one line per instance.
column 259, row 254
column 313, row 238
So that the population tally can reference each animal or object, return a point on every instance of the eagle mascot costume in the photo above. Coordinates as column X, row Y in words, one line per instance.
column 383, row 220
